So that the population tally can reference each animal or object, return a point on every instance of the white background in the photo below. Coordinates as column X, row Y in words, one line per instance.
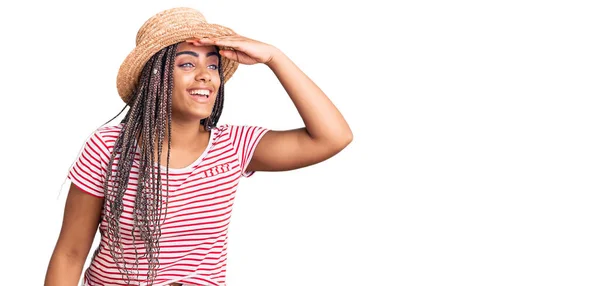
column 476, row 149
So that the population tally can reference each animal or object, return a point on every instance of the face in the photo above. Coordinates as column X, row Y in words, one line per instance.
column 195, row 81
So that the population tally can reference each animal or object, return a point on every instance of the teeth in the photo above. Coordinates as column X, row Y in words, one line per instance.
column 200, row 92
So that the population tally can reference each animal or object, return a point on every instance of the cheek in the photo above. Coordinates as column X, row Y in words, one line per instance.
column 181, row 83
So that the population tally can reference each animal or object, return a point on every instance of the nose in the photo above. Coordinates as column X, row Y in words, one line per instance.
column 202, row 74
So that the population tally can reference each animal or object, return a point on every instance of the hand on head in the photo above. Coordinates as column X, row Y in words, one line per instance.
column 240, row 49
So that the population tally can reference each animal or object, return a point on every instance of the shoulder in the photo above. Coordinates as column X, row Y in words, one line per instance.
column 110, row 131
column 237, row 132
column 239, row 128
column 106, row 136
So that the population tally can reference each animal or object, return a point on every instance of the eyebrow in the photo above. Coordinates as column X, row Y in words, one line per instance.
column 195, row 54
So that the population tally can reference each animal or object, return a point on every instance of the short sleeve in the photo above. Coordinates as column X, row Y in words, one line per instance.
column 245, row 140
column 89, row 170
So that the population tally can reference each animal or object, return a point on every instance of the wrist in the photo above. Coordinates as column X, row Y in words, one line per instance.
column 276, row 57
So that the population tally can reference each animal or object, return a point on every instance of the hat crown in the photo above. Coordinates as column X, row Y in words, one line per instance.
column 168, row 20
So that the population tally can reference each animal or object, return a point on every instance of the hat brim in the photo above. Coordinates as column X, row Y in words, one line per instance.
column 131, row 68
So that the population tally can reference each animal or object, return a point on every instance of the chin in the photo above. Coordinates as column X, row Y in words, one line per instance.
column 191, row 115
column 198, row 117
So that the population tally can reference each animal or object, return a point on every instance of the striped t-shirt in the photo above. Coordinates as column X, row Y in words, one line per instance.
column 193, row 244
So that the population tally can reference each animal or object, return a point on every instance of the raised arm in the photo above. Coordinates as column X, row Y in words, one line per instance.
column 326, row 132
column 80, row 222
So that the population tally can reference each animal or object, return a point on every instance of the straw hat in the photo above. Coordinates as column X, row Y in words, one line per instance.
column 164, row 29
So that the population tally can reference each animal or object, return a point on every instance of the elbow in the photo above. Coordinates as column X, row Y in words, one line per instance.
column 336, row 142
column 348, row 138
column 344, row 139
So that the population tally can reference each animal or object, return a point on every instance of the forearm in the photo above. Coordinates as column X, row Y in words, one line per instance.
column 322, row 119
column 64, row 270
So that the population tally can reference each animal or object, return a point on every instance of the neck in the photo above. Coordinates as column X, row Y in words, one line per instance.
column 186, row 133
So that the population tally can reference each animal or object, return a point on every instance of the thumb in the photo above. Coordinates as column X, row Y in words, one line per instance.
column 232, row 55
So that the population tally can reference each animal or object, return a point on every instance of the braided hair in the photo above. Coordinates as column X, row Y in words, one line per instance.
column 145, row 126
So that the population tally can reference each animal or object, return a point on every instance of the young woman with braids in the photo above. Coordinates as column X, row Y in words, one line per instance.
column 160, row 185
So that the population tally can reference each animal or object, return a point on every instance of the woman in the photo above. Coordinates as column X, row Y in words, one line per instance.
column 164, row 204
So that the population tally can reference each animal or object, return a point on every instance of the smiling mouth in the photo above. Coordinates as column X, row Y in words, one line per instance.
column 202, row 93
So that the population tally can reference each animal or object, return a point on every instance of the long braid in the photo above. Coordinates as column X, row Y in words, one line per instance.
column 124, row 151
column 145, row 126
column 148, row 200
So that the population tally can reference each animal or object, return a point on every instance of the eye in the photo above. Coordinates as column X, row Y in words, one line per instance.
column 186, row 65
column 214, row 67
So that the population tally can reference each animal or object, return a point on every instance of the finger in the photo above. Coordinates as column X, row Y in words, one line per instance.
column 230, row 54
column 229, row 41
column 195, row 42
column 230, row 37
column 207, row 41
